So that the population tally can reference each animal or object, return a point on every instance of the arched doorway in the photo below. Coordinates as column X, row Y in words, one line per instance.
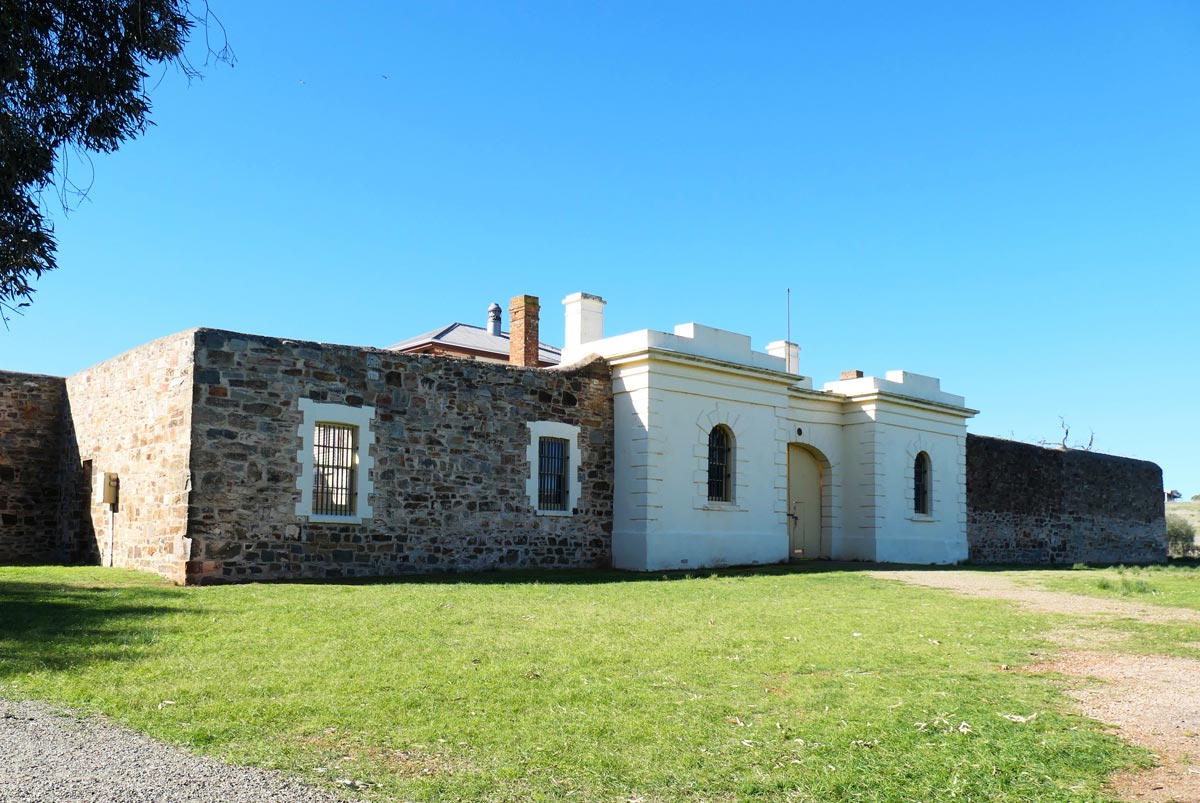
column 806, row 477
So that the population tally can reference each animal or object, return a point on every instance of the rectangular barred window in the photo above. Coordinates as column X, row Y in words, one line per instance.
column 335, row 458
column 552, row 474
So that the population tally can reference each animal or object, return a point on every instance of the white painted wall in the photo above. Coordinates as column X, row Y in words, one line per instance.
column 666, row 406
column 667, row 400
column 636, row 497
column 888, row 422
column 861, row 505
column 670, row 390
column 904, row 536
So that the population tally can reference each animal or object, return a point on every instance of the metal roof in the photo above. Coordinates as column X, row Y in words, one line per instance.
column 473, row 338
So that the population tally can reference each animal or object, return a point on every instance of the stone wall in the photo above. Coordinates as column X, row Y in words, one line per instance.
column 1031, row 505
column 449, row 462
column 130, row 415
column 30, row 442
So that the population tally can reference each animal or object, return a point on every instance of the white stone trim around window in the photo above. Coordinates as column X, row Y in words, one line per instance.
column 569, row 433
column 312, row 413
column 914, row 448
column 720, row 416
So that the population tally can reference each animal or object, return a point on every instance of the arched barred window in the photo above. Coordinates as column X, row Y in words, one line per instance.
column 720, row 465
column 922, row 484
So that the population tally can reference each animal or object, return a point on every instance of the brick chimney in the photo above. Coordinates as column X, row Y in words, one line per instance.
column 523, row 331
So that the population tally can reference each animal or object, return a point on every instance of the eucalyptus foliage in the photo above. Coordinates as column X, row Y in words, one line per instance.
column 72, row 81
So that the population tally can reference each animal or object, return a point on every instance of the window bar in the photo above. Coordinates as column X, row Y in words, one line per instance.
column 334, row 458
column 921, row 485
column 718, row 466
column 552, row 474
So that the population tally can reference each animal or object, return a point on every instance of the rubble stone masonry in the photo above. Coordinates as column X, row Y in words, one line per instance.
column 30, row 442
column 449, row 462
column 205, row 430
column 131, row 416
column 1031, row 505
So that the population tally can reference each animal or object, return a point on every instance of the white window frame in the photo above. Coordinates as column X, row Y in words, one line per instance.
column 313, row 413
column 569, row 433
column 706, row 422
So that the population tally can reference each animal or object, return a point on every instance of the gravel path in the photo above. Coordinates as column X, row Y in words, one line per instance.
column 1147, row 699
column 998, row 586
column 49, row 757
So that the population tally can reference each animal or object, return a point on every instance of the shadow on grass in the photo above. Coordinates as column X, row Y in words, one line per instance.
column 55, row 627
column 548, row 576
column 611, row 576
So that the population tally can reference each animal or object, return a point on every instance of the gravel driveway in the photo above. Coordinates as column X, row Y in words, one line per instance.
column 49, row 757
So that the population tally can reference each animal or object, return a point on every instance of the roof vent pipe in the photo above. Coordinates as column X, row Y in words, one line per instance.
column 493, row 325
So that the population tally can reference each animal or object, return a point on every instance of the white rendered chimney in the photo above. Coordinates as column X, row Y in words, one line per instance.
column 585, row 320
column 789, row 351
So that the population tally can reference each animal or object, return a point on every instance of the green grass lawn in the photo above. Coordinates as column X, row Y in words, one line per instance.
column 1176, row 585
column 765, row 686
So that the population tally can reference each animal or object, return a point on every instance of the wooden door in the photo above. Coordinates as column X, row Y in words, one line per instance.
column 804, row 505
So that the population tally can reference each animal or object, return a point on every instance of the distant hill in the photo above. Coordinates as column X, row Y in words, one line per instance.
column 1186, row 510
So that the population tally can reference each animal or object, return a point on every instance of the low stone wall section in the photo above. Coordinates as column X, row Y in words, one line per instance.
column 450, row 466
column 30, row 442
column 1031, row 505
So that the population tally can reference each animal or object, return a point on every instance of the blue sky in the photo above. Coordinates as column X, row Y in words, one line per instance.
column 1004, row 195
